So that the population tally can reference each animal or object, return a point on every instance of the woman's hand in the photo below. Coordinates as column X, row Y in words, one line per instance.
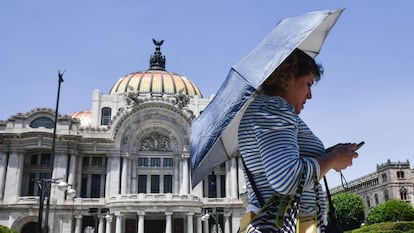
column 337, row 157
column 342, row 155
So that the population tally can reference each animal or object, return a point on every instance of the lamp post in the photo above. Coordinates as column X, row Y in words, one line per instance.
column 52, row 159
column 98, row 213
column 45, row 185
column 215, row 217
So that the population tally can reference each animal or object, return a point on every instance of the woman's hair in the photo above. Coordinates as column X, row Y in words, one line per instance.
column 296, row 65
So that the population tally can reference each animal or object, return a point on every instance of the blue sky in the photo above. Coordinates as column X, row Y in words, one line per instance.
column 365, row 93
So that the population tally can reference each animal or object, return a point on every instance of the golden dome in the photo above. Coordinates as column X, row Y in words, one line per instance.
column 156, row 80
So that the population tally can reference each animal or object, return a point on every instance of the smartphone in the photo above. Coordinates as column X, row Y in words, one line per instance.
column 359, row 145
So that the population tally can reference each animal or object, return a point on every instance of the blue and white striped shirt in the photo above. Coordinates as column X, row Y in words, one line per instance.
column 274, row 143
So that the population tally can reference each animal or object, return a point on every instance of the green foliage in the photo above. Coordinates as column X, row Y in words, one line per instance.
column 387, row 227
column 349, row 209
column 391, row 211
column 4, row 229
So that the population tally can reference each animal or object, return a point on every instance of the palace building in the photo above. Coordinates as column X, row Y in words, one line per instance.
column 391, row 181
column 127, row 159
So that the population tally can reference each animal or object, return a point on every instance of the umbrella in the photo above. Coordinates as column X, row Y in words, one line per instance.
column 214, row 133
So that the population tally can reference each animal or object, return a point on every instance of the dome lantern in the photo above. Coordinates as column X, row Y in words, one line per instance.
column 157, row 61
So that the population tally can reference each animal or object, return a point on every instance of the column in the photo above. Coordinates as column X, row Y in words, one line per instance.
column 233, row 178
column 78, row 223
column 134, row 182
column 72, row 167
column 228, row 181
column 206, row 226
column 176, row 176
column 240, row 173
column 199, row 224
column 185, row 175
column 112, row 181
column 168, row 225
column 118, row 223
column 3, row 164
column 13, row 177
column 129, row 175
column 124, row 175
column 181, row 177
column 190, row 226
column 78, row 178
column 101, row 224
column 205, row 191
column 60, row 164
column 108, row 223
column 227, row 217
column 141, row 218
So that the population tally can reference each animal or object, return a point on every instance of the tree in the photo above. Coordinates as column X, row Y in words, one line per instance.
column 349, row 209
column 391, row 211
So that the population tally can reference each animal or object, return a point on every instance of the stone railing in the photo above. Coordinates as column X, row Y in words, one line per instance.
column 153, row 197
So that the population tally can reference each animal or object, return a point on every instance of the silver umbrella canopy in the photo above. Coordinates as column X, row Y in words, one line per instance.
column 214, row 132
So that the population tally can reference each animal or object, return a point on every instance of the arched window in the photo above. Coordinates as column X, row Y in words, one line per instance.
column 105, row 116
column 403, row 194
column 386, row 195
column 384, row 177
column 376, row 199
column 42, row 122
column 368, row 202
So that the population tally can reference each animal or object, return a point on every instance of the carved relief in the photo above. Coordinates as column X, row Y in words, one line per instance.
column 181, row 100
column 155, row 142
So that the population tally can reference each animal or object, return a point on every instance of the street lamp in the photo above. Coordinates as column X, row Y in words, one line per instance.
column 44, row 185
column 98, row 213
column 215, row 217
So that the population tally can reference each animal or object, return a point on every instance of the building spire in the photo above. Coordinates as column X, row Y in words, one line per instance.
column 157, row 61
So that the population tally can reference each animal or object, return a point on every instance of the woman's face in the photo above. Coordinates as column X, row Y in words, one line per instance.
column 299, row 92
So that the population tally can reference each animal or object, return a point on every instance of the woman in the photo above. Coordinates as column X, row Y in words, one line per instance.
column 280, row 150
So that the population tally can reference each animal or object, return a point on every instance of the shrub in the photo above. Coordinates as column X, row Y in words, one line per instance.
column 4, row 229
column 391, row 211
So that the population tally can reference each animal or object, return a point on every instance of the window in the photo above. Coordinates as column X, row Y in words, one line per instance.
column 84, row 186
column 142, row 162
column 93, row 176
column 97, row 161
column 384, row 177
column 42, row 122
column 212, row 186
column 85, row 161
column 142, row 184
column 32, row 183
column 45, row 160
column 223, row 186
column 155, row 162
column 400, row 175
column 105, row 116
column 386, row 196
column 368, row 202
column 33, row 159
column 155, row 184
column 376, row 199
column 96, row 185
column 36, row 166
column 403, row 194
column 168, row 162
column 168, row 184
